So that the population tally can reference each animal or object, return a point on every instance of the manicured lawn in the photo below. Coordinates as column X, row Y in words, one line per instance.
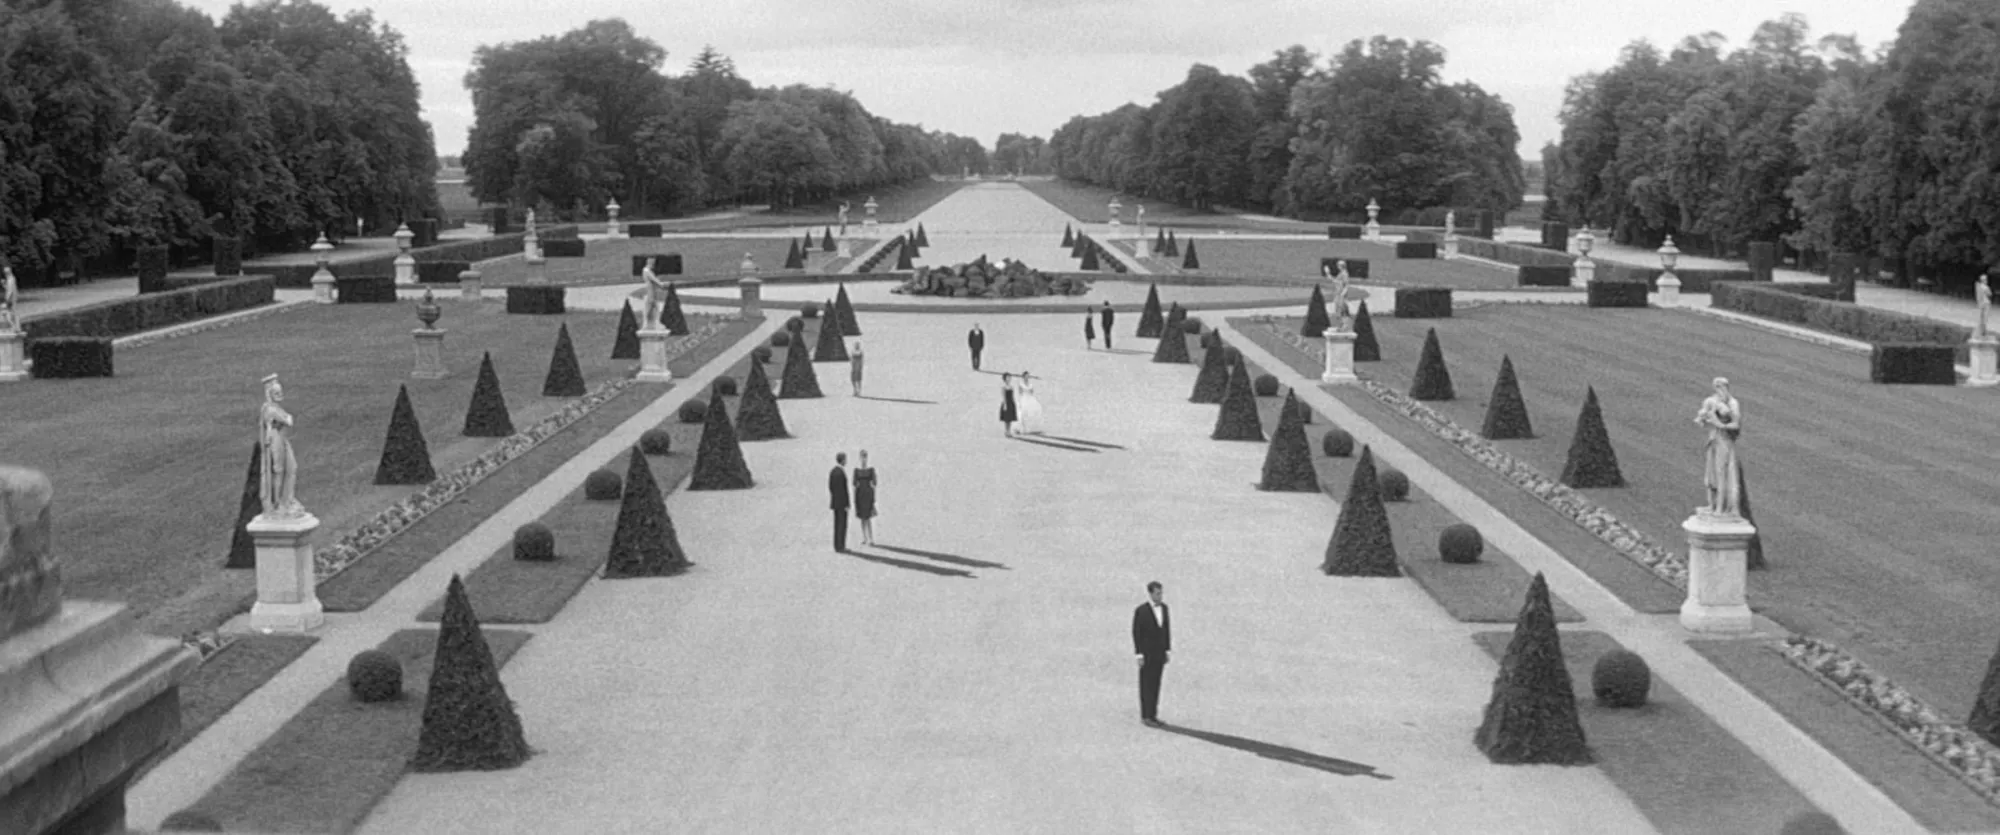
column 1090, row 204
column 610, row 261
column 223, row 679
column 1300, row 259
column 894, row 204
column 149, row 465
column 1873, row 502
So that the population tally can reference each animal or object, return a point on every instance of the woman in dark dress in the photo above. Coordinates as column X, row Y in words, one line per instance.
column 1007, row 412
column 864, row 499
column 1089, row 332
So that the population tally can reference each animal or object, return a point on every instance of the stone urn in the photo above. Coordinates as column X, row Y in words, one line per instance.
column 428, row 310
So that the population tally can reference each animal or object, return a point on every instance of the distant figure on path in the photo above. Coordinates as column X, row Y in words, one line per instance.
column 1089, row 332
column 854, row 375
column 1008, row 414
column 280, row 467
column 1723, row 417
column 975, row 340
column 1981, row 293
column 1107, row 316
column 864, row 499
column 836, row 488
column 1152, row 638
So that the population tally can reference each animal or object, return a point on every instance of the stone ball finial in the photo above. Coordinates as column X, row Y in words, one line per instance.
column 30, row 576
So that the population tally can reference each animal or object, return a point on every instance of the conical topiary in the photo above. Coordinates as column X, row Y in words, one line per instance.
column 843, row 312
column 718, row 458
column 626, row 345
column 1754, row 558
column 1069, row 238
column 1159, row 241
column 671, row 316
column 565, row 377
column 757, row 415
column 1532, row 717
column 644, row 542
column 1076, row 249
column 1213, row 380
column 799, row 379
column 830, row 347
column 1175, row 316
column 1985, row 718
column 806, row 246
column 487, row 417
column 1150, row 320
column 1506, row 413
column 826, row 242
column 1366, row 349
column 1316, row 319
column 794, row 260
column 469, row 724
column 243, row 546
column 1173, row 244
column 1433, row 380
column 1288, row 465
column 1592, row 463
column 1192, row 261
column 922, row 238
column 1237, row 419
column 1362, row 545
column 903, row 255
column 1172, row 347
column 406, row 459
column 1090, row 263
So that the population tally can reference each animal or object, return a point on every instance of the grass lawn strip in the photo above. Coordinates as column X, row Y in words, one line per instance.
column 1301, row 259
column 895, row 204
column 328, row 767
column 609, row 261
column 397, row 555
column 1938, row 796
column 225, row 676
column 1087, row 203
column 223, row 320
column 1684, row 772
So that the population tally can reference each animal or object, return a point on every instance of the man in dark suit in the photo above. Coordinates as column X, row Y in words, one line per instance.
column 976, row 340
column 1105, row 315
column 836, row 487
column 1152, row 637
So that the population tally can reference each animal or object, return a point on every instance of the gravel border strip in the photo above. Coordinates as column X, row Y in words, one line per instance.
column 140, row 340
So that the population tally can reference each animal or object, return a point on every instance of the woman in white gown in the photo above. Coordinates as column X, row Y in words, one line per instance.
column 1030, row 406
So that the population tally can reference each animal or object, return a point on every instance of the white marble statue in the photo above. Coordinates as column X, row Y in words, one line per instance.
column 843, row 219
column 1722, row 416
column 1341, row 315
column 531, row 220
column 12, row 320
column 656, row 296
column 1981, row 293
column 280, row 468
column 1451, row 222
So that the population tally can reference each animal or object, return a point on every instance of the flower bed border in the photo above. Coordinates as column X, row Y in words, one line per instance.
column 141, row 340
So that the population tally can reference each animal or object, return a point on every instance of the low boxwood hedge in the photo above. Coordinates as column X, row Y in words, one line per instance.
column 1616, row 294
column 563, row 248
column 440, row 272
column 474, row 250
column 1505, row 253
column 1416, row 249
column 61, row 357
column 1343, row 231
column 1830, row 292
column 1853, row 321
column 1423, row 303
column 1692, row 281
column 1539, row 275
column 670, row 263
column 135, row 314
column 364, row 289
column 535, row 299
column 1906, row 362
column 643, row 230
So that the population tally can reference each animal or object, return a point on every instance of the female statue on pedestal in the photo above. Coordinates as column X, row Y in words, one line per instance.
column 656, row 296
column 1982, row 294
column 280, row 468
column 1723, row 417
column 1338, row 302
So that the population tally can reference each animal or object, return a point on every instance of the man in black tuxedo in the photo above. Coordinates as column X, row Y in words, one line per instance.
column 1152, row 637
column 1105, row 316
column 836, row 487
column 976, row 340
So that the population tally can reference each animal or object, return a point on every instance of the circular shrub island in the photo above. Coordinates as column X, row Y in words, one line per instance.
column 534, row 542
column 375, row 676
column 1460, row 544
column 693, row 411
column 781, row 339
column 1265, row 385
column 603, row 486
column 1395, row 486
column 1336, row 443
column 809, row 311
column 761, row 354
column 656, row 442
column 1621, row 679
column 1191, row 326
column 725, row 386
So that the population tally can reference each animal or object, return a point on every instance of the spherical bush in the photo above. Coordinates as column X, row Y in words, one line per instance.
column 1336, row 443
column 1265, row 385
column 1231, row 355
column 795, row 324
column 603, row 486
column 693, row 411
column 1191, row 326
column 189, row 820
column 656, row 442
column 810, row 311
column 1460, row 544
column 375, row 676
column 534, row 542
column 1620, row 679
column 781, row 339
column 761, row 353
column 725, row 386
column 1395, row 486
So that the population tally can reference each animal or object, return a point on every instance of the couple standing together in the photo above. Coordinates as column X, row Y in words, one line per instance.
column 863, row 499
column 1020, row 411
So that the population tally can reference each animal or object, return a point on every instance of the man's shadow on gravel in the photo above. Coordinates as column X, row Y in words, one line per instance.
column 1281, row 753
column 912, row 565
column 954, row 559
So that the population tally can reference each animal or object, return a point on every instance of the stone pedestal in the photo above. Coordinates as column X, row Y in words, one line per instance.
column 611, row 227
column 323, row 286
column 1985, row 351
column 653, row 355
column 13, row 356
column 843, row 249
column 538, row 271
column 1450, row 247
column 1339, row 357
column 1718, row 561
column 286, row 600
column 430, row 354
column 1583, row 273
column 531, row 245
column 752, row 290
column 1669, row 289
column 1373, row 231
column 468, row 285
column 406, row 269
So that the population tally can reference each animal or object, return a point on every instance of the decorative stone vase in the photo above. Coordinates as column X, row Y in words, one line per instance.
column 428, row 310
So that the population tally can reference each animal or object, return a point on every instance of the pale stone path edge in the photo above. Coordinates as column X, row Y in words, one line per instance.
column 1818, row 774
column 201, row 764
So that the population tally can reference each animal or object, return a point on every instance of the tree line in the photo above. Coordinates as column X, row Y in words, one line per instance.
column 1308, row 139
column 144, row 122
column 1820, row 144
column 571, row 121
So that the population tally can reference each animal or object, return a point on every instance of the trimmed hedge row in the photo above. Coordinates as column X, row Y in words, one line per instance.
column 300, row 275
column 135, row 314
column 1853, row 321
column 1343, row 231
column 1416, row 249
column 1505, row 253
column 1423, row 303
column 1615, row 294
column 440, row 272
column 1916, row 363
column 1692, row 281
column 364, row 289
column 563, row 248
column 1830, row 292
column 643, row 230
column 64, row 357
column 536, row 299
column 1538, row 275
column 670, row 263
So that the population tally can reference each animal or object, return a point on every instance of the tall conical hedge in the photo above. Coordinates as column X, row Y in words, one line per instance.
column 469, row 724
column 1090, row 263
column 1288, row 465
column 799, row 379
column 1592, row 463
column 793, row 259
column 903, row 255
column 1754, row 558
column 1985, row 718
column 757, row 415
column 1362, row 545
column 923, row 239
column 718, row 458
column 644, row 542
column 826, row 242
column 1213, row 380
column 1081, row 245
column 1172, row 347
column 1159, row 241
column 1316, row 319
column 1192, row 261
column 565, row 377
column 830, row 347
column 1433, row 380
column 406, row 459
column 1176, row 314
column 243, row 546
column 1069, row 238
column 671, row 316
column 1366, row 349
column 843, row 312
column 1237, row 419
column 1532, row 717
column 1506, row 413
column 1173, row 244
column 487, row 417
column 1150, row 319
column 626, row 345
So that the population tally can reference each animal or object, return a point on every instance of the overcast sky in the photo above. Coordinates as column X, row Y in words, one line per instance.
column 983, row 67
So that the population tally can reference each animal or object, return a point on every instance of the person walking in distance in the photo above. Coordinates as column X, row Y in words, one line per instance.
column 1104, row 313
column 975, row 340
column 836, row 488
column 1152, row 638
column 854, row 374
column 864, row 499
column 1089, row 332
